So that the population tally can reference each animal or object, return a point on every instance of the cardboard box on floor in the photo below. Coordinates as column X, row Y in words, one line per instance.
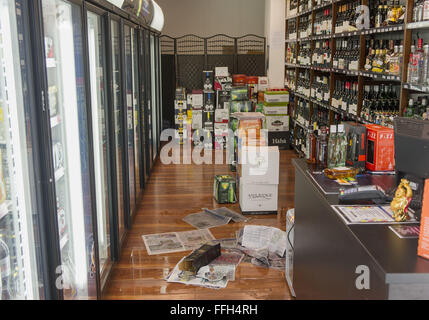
column 259, row 165
column 256, row 198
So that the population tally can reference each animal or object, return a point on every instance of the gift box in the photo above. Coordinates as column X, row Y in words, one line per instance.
column 380, row 148
column 224, row 189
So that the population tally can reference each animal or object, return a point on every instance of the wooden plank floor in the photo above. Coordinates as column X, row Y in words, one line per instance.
column 173, row 192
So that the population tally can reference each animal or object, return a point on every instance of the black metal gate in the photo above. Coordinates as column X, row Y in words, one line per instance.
column 194, row 54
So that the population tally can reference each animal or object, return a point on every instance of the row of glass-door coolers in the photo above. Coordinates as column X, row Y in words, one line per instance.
column 79, row 132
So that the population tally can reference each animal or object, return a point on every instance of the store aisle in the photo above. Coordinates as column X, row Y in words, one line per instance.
column 173, row 192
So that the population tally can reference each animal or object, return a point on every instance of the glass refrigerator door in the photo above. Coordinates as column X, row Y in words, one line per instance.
column 64, row 62
column 149, row 141
column 143, row 102
column 160, row 86
column 136, row 110
column 130, row 117
column 154, row 99
column 117, row 106
column 99, row 109
column 18, row 217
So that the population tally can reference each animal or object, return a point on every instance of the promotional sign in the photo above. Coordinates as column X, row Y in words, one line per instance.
column 139, row 8
column 423, row 249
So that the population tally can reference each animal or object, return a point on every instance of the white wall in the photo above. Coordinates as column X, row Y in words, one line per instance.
column 275, row 34
column 209, row 17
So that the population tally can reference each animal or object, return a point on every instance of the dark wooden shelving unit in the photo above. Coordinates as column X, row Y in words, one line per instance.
column 362, row 76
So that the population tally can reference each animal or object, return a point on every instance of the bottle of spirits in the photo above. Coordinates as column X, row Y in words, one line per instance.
column 332, row 147
column 426, row 10
column 425, row 67
column 417, row 63
column 409, row 112
column 341, row 146
column 413, row 76
column 322, row 148
column 311, row 144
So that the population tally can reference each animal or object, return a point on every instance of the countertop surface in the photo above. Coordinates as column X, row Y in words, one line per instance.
column 395, row 256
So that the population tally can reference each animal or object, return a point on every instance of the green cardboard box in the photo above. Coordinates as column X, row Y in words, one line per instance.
column 224, row 189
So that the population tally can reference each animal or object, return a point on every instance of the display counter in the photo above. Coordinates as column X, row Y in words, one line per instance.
column 332, row 259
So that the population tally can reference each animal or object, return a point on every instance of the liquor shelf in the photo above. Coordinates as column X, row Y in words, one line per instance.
column 325, row 42
column 418, row 25
column 415, row 87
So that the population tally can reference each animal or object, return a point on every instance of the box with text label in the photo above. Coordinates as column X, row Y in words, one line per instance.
column 258, row 199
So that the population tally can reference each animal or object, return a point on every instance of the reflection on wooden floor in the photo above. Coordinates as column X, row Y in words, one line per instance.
column 173, row 192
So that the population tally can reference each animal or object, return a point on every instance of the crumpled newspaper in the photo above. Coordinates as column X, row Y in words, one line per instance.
column 262, row 257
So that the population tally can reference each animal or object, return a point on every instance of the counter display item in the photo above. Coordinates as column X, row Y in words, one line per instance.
column 380, row 149
column 406, row 232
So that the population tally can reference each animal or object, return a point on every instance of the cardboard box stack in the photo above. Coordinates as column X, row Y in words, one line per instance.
column 208, row 110
column 257, row 167
column 276, row 110
column 197, row 103
column 223, row 86
column 181, row 115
